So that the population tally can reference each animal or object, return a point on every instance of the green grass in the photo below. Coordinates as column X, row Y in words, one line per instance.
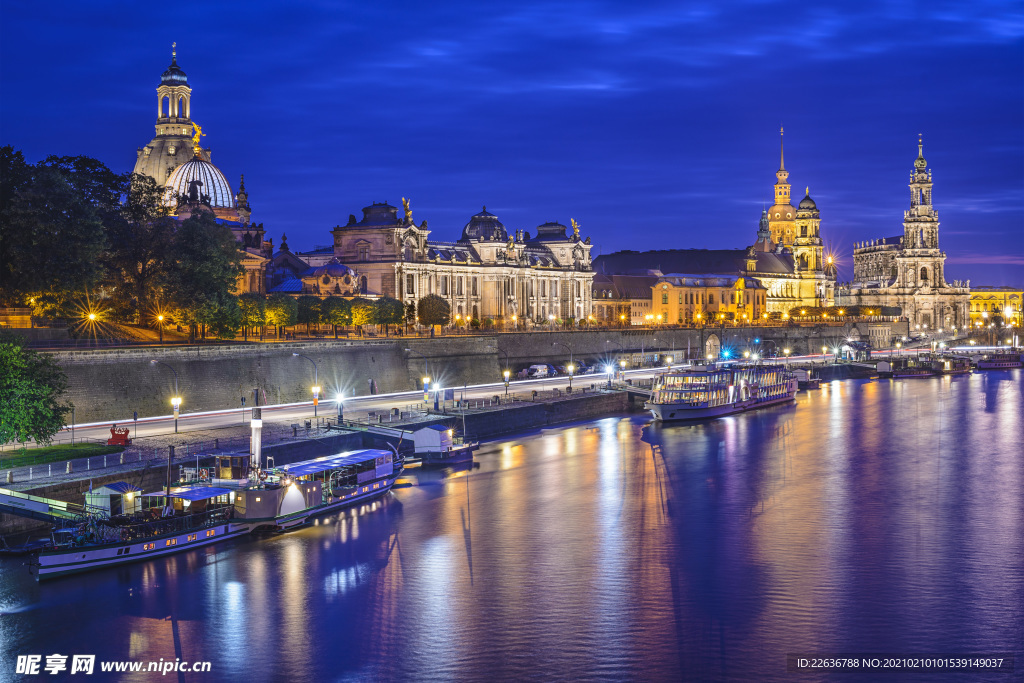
column 59, row 452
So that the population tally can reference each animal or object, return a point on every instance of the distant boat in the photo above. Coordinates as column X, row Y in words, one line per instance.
column 1000, row 361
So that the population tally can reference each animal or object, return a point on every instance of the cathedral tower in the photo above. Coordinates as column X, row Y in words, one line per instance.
column 172, row 145
column 782, row 214
column 921, row 222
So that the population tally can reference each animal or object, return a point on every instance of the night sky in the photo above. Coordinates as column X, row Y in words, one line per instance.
column 655, row 125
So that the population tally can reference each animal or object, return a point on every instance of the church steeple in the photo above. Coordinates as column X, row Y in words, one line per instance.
column 781, row 215
column 782, row 189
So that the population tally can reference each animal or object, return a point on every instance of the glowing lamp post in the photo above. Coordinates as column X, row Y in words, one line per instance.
column 571, row 368
column 176, row 405
column 507, row 373
column 160, row 326
column 426, row 389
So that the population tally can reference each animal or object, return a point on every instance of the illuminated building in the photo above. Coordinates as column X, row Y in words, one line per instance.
column 176, row 160
column 990, row 303
column 907, row 271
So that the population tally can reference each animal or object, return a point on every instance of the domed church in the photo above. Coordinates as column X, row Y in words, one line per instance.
column 176, row 160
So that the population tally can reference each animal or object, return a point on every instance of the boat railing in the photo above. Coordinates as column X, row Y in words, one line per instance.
column 95, row 531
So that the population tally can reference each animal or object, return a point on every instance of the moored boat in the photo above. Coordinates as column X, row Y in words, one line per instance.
column 951, row 365
column 182, row 518
column 710, row 391
column 438, row 445
column 906, row 367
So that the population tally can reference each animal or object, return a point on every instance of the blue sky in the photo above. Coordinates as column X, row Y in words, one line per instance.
column 655, row 125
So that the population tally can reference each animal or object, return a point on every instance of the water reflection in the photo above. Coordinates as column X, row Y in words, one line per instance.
column 870, row 516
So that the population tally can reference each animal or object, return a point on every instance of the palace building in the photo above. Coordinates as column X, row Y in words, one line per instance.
column 908, row 270
column 176, row 160
column 489, row 272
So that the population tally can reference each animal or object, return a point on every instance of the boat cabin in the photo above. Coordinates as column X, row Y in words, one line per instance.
column 117, row 498
column 187, row 500
column 234, row 466
column 433, row 439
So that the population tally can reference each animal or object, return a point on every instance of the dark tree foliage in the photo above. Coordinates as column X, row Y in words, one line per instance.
column 204, row 271
column 140, row 238
column 51, row 227
column 433, row 310
column 253, row 307
column 389, row 312
column 32, row 388
column 336, row 311
column 309, row 311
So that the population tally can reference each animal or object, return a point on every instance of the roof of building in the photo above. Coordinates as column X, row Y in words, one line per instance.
column 550, row 231
column 624, row 286
column 118, row 487
column 213, row 183
column 287, row 286
column 174, row 75
column 486, row 225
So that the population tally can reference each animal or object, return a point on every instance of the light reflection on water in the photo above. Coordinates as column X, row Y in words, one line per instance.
column 869, row 517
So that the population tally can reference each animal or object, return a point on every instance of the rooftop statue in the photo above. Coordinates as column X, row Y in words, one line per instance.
column 575, row 228
column 408, row 211
column 196, row 147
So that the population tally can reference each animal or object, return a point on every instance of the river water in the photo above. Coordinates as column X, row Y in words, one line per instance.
column 870, row 517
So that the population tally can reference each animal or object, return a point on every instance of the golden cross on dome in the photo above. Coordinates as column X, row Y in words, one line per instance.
column 174, row 50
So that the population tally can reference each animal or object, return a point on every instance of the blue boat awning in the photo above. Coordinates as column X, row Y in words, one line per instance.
column 198, row 493
column 332, row 462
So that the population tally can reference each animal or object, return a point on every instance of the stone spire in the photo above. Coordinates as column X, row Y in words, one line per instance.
column 242, row 201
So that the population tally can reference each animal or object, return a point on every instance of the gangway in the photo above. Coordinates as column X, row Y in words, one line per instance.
column 44, row 509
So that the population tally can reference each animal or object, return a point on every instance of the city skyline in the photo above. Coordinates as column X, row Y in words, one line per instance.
column 627, row 120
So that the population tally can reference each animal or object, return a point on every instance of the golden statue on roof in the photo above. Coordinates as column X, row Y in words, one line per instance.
column 408, row 211
column 196, row 147
column 575, row 227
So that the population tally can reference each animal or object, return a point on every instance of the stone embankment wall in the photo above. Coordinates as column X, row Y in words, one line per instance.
column 110, row 384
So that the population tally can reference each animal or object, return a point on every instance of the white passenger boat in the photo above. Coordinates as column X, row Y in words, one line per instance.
column 710, row 391
column 191, row 516
column 1000, row 361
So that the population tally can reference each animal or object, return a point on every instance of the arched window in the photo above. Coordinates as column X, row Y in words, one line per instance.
column 362, row 285
column 803, row 231
column 924, row 274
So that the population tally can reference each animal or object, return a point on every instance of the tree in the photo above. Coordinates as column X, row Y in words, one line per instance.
column 309, row 310
column 32, row 390
column 226, row 318
column 433, row 310
column 282, row 311
column 364, row 312
column 204, row 271
column 410, row 315
column 253, row 307
column 52, row 234
column 336, row 311
column 141, row 239
column 389, row 312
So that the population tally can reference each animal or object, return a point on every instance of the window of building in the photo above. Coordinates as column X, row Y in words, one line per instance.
column 474, row 287
column 363, row 252
column 664, row 298
column 444, row 285
column 458, row 285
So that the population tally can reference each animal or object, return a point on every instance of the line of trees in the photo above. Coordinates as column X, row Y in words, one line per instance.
column 77, row 238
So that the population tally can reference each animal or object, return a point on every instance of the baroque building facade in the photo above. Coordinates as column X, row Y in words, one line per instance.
column 787, row 259
column 908, row 270
column 489, row 272
column 177, row 161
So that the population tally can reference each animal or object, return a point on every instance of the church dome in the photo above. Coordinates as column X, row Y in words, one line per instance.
column 807, row 204
column 174, row 75
column 214, row 184
column 485, row 225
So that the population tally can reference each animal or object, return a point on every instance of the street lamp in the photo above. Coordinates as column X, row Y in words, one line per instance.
column 160, row 326
column 506, row 373
column 426, row 389
column 316, row 381
column 176, row 399
column 570, row 368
